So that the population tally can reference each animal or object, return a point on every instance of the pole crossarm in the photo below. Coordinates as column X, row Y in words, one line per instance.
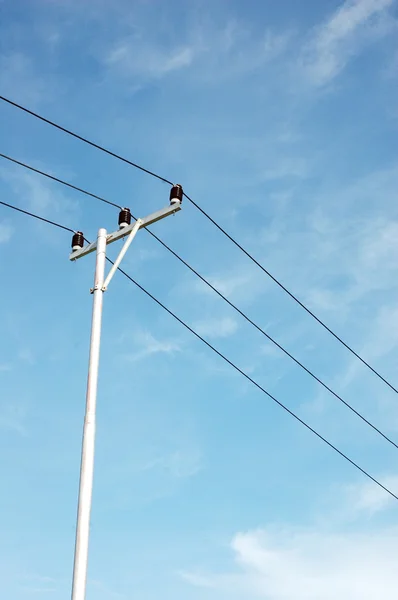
column 121, row 233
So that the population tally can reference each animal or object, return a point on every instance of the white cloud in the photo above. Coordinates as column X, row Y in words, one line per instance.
column 241, row 285
column 297, row 564
column 369, row 498
column 229, row 284
column 24, row 80
column 13, row 417
column 284, row 168
column 349, row 254
column 132, row 57
column 40, row 584
column 148, row 345
column 106, row 589
column 340, row 38
column 40, row 196
column 6, row 232
column 159, row 465
column 377, row 343
column 218, row 51
column 39, row 590
column 27, row 355
column 328, row 561
column 232, row 51
column 216, row 328
column 380, row 341
column 363, row 253
column 270, row 350
column 179, row 464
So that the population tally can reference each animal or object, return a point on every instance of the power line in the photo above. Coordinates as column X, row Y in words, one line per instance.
column 228, row 361
column 205, row 214
column 295, row 298
column 273, row 398
column 85, row 140
column 214, row 289
column 53, row 178
column 62, row 181
column 26, row 212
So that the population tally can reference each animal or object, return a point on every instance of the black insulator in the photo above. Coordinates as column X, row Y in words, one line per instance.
column 77, row 240
column 124, row 217
column 176, row 194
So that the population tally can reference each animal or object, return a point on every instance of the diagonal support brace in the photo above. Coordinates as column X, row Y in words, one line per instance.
column 122, row 252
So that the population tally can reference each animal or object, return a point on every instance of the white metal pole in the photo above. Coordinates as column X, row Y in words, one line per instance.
column 87, row 461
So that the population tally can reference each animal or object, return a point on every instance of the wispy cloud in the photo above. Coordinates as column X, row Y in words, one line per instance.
column 22, row 78
column 211, row 52
column 179, row 464
column 339, row 39
column 380, row 340
column 147, row 345
column 16, row 68
column 216, row 328
column 41, row 197
column 40, row 584
column 285, row 168
column 100, row 586
column 26, row 355
column 227, row 284
column 6, row 232
column 13, row 417
column 350, row 255
column 157, row 472
column 38, row 590
column 370, row 262
column 367, row 498
column 377, row 343
column 133, row 57
column 232, row 50
column 240, row 285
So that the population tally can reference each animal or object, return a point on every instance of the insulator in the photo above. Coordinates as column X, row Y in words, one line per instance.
column 124, row 218
column 77, row 240
column 176, row 194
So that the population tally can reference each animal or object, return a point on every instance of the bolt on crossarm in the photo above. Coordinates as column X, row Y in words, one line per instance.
column 126, row 229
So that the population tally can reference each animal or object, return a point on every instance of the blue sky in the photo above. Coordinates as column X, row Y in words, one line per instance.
column 280, row 120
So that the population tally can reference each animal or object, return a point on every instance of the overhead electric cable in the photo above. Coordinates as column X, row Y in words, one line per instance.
column 214, row 289
column 227, row 360
column 30, row 214
column 219, row 227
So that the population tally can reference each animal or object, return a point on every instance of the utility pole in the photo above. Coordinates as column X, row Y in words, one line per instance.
column 88, row 444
